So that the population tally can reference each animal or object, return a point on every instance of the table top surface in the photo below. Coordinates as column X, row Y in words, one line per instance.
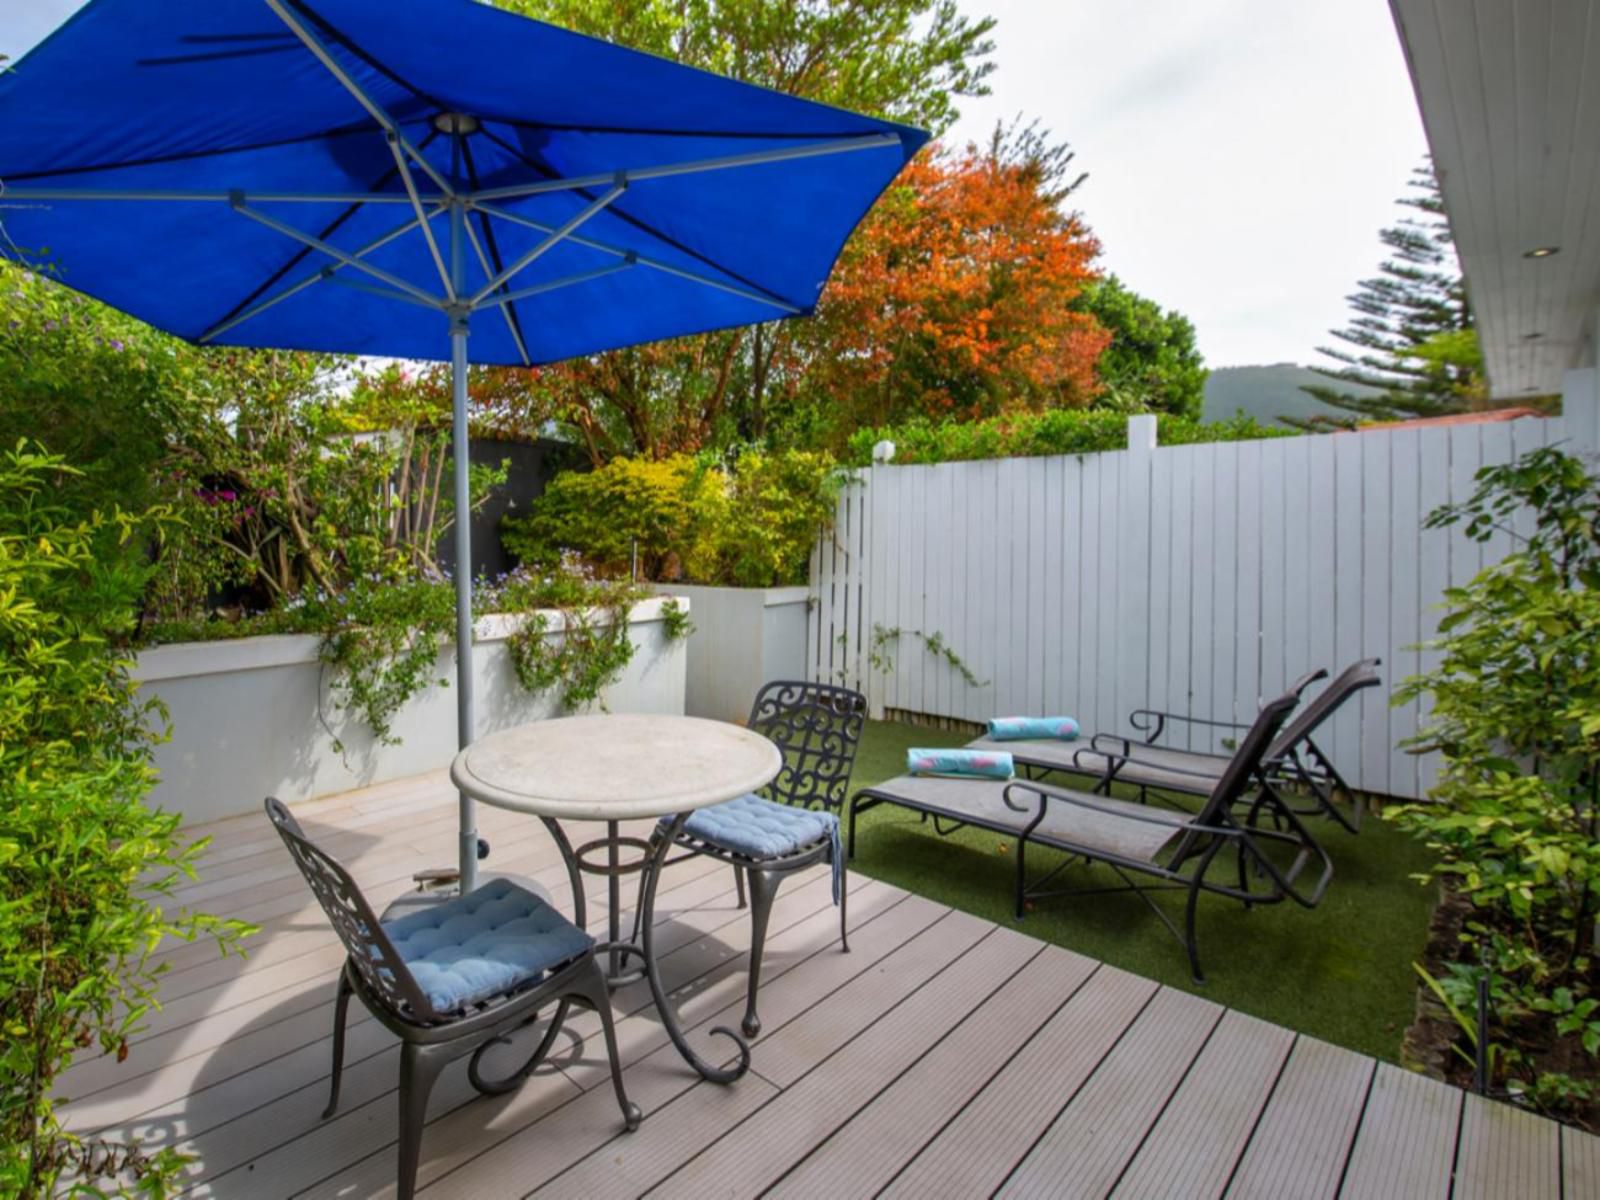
column 615, row 767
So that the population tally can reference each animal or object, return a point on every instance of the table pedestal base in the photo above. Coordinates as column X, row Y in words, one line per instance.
column 640, row 943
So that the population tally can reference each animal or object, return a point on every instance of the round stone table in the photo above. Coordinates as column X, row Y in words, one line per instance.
column 614, row 768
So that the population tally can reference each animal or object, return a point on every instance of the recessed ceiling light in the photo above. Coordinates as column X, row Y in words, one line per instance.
column 1541, row 252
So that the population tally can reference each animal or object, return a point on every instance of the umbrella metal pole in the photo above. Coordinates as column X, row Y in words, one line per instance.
column 465, row 721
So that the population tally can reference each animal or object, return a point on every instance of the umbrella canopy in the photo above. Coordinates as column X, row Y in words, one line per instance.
column 386, row 177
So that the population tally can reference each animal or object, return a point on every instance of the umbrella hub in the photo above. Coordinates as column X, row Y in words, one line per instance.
column 459, row 124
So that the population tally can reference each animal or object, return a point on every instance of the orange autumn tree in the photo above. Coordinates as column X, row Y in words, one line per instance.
column 956, row 296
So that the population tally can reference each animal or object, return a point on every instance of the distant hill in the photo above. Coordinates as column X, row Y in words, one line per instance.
column 1265, row 393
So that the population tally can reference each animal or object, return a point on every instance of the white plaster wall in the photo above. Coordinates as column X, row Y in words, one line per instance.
column 743, row 638
column 248, row 715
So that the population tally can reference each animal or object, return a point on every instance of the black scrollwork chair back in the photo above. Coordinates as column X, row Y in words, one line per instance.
column 817, row 728
column 371, row 955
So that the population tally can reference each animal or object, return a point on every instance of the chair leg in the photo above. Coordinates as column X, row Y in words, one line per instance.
column 1022, row 879
column 738, row 883
column 763, row 888
column 844, row 898
column 341, row 1006
column 419, row 1068
column 597, row 994
column 1189, row 942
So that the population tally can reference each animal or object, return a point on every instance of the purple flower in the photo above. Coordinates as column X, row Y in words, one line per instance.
column 116, row 344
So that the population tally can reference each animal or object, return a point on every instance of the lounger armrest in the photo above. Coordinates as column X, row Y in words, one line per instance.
column 1153, row 722
column 1115, row 744
column 1126, row 748
column 1154, row 816
column 1115, row 762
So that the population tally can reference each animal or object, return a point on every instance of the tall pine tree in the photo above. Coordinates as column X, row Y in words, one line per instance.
column 1412, row 338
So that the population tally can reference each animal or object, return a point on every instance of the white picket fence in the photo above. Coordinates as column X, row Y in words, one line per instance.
column 1193, row 579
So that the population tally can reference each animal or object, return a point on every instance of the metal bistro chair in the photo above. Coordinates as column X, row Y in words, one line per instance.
column 795, row 824
column 451, row 980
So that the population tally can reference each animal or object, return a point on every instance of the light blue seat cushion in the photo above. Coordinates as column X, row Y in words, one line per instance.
column 759, row 828
column 483, row 944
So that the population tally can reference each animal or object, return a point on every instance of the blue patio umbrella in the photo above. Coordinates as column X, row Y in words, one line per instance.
column 386, row 177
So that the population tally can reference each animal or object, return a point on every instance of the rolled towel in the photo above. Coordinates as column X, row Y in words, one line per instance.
column 960, row 764
column 1012, row 729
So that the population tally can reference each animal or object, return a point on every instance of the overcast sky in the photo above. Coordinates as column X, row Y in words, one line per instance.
column 1242, row 154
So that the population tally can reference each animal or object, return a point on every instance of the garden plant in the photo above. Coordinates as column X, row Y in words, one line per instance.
column 1516, row 715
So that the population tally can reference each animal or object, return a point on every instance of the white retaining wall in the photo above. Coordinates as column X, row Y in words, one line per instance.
column 743, row 638
column 248, row 715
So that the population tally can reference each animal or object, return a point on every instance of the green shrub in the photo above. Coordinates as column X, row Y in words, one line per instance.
column 84, row 865
column 751, row 526
column 1029, row 435
column 667, row 508
column 1516, row 714
column 778, row 503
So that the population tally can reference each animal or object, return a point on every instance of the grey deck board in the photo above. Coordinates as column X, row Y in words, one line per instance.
column 1092, row 1140
column 975, row 1153
column 1506, row 1152
column 868, row 1151
column 942, row 1056
column 1407, row 1141
column 1580, row 1164
column 1303, row 1140
column 806, row 1041
column 1196, row 1144
column 832, row 1092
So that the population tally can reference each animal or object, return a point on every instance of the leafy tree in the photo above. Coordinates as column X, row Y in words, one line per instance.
column 1152, row 362
column 1412, row 337
column 958, row 296
column 908, row 60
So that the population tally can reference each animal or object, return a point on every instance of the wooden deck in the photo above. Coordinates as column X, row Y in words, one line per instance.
column 943, row 1056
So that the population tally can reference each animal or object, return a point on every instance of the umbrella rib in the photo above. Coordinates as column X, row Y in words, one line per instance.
column 508, row 311
column 214, row 196
column 294, row 289
column 644, row 227
column 645, row 131
column 328, row 231
column 334, row 252
column 505, row 305
column 564, row 281
column 422, row 219
column 644, row 260
column 157, row 160
column 375, row 110
column 871, row 141
column 555, row 237
column 372, row 289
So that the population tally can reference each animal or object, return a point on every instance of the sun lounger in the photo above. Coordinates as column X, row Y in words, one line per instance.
column 1177, row 850
column 1294, row 758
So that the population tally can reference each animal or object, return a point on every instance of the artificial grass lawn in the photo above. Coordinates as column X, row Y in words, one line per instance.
column 1341, row 972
